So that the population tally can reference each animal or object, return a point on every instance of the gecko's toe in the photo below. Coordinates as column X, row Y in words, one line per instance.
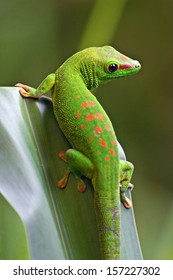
column 127, row 202
column 62, row 183
column 24, row 89
column 62, row 155
column 81, row 186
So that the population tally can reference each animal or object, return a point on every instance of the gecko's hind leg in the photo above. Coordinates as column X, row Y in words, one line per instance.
column 126, row 171
column 79, row 165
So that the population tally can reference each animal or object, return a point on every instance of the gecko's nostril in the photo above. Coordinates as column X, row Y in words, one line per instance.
column 137, row 64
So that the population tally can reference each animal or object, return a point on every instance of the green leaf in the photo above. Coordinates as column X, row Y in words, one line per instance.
column 52, row 223
column 12, row 229
column 102, row 23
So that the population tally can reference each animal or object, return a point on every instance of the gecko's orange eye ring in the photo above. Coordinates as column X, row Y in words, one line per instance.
column 112, row 67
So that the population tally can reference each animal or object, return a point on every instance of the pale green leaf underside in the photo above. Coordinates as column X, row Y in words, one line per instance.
column 52, row 223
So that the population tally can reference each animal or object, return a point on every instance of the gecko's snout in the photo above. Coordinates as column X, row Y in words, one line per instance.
column 137, row 64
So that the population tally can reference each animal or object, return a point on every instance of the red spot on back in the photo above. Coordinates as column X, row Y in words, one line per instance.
column 114, row 143
column 98, row 129
column 90, row 117
column 107, row 158
column 77, row 96
column 102, row 143
column 82, row 126
column 112, row 152
column 88, row 103
column 99, row 116
column 90, row 139
column 78, row 115
column 98, row 153
column 108, row 127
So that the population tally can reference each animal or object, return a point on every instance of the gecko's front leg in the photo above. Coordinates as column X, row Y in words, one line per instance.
column 46, row 85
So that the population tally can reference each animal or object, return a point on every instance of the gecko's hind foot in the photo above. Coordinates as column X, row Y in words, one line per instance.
column 126, row 201
column 62, row 155
column 81, row 186
column 79, row 165
column 62, row 183
column 131, row 187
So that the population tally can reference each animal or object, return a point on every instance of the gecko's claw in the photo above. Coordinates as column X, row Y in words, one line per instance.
column 24, row 91
column 81, row 186
column 62, row 155
column 131, row 187
column 126, row 201
column 63, row 182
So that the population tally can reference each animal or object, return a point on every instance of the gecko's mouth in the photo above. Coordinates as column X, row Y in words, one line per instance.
column 127, row 71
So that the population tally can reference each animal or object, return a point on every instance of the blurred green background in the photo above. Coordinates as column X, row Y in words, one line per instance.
column 37, row 36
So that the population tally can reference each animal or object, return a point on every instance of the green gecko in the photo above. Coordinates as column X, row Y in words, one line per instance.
column 95, row 152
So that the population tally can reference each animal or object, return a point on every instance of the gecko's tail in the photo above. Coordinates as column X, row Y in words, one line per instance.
column 108, row 220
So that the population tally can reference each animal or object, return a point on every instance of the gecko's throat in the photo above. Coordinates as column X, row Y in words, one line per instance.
column 89, row 75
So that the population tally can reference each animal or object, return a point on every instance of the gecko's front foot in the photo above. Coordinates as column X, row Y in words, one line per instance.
column 25, row 89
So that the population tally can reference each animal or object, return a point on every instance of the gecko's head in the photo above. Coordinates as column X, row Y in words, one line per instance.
column 102, row 64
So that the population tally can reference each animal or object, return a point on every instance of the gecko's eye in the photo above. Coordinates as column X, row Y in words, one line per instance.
column 112, row 67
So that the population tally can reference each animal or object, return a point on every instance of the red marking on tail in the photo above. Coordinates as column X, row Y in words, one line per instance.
column 88, row 103
column 102, row 143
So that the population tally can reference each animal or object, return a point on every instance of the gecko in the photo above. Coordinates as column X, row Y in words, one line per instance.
column 84, row 122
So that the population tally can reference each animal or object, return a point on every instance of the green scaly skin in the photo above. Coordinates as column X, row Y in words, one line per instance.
column 86, row 125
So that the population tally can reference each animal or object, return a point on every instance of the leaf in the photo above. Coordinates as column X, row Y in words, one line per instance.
column 102, row 23
column 55, row 224
column 13, row 240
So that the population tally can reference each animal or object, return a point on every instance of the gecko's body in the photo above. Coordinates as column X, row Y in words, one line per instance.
column 89, row 130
